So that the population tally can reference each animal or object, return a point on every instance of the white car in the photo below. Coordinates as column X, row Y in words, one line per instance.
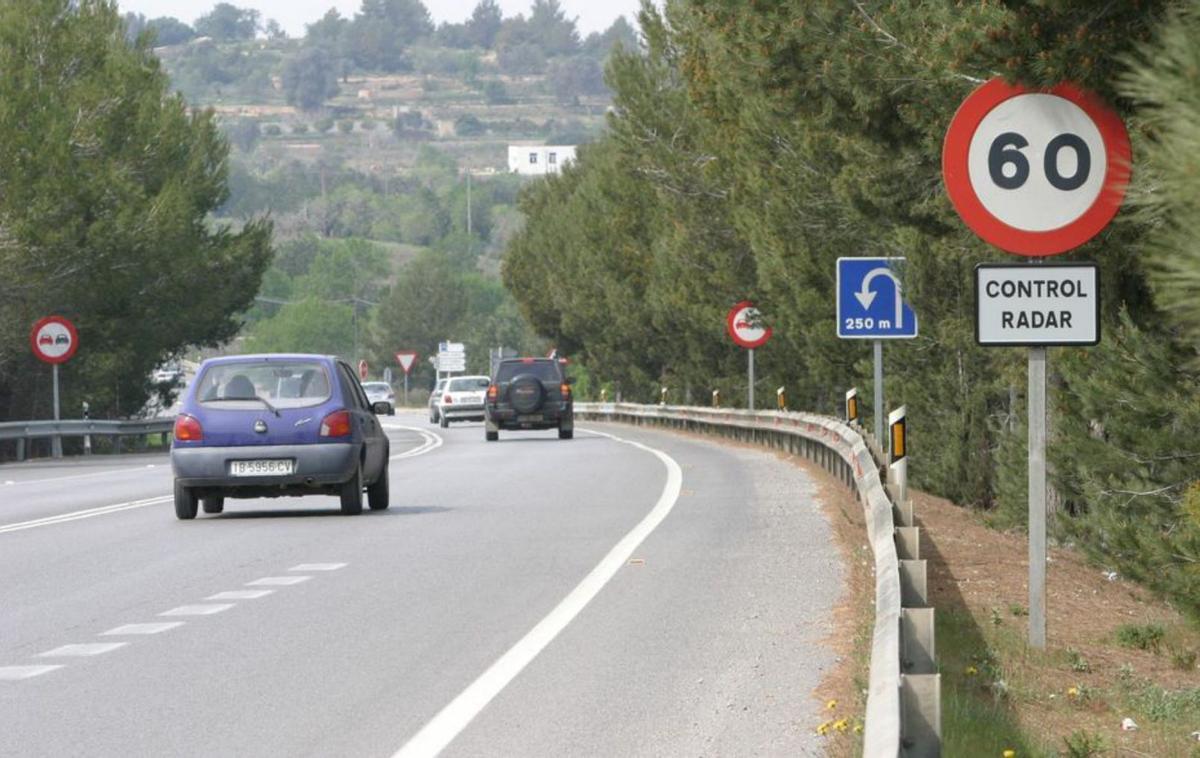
column 462, row 399
column 381, row 392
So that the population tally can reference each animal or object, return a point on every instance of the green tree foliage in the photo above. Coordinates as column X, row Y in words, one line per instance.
column 484, row 24
column 752, row 144
column 106, row 181
column 621, row 33
column 170, row 31
column 571, row 78
column 228, row 23
column 384, row 29
column 1164, row 79
column 553, row 31
column 309, row 78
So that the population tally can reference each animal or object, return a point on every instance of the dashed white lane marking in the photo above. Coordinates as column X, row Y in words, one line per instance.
column 83, row 650
column 318, row 567
column 278, row 581
column 17, row 673
column 240, row 595
column 157, row 628
column 451, row 720
column 197, row 610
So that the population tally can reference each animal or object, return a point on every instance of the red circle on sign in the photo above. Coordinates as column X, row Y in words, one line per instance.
column 54, row 339
column 1080, row 229
column 736, row 323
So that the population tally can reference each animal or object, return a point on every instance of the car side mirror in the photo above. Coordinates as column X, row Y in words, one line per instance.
column 379, row 408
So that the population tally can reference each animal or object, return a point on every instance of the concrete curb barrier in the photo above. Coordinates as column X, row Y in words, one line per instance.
column 903, row 714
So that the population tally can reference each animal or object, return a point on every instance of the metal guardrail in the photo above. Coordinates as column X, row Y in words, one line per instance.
column 903, row 714
column 25, row 431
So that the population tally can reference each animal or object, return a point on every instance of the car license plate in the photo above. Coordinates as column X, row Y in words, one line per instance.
column 529, row 418
column 278, row 467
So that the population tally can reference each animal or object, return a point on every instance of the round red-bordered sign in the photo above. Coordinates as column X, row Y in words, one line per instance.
column 744, row 324
column 54, row 339
column 1036, row 172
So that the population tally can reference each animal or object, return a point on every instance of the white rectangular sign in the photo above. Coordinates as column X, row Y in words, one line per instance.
column 451, row 363
column 451, row 347
column 1031, row 305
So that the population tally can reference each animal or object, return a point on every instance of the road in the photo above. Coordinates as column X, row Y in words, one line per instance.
column 640, row 593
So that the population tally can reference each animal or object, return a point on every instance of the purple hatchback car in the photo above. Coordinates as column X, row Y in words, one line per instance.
column 273, row 425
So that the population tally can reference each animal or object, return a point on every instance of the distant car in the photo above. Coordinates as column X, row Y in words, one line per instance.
column 167, row 375
column 529, row 393
column 62, row 339
column 462, row 399
column 435, row 414
column 277, row 425
column 45, row 339
column 381, row 392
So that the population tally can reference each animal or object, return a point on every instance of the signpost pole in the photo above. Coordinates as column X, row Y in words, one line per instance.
column 751, row 372
column 56, row 441
column 406, row 388
column 1037, row 497
column 879, row 395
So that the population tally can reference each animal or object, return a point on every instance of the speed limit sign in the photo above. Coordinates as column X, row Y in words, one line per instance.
column 1035, row 172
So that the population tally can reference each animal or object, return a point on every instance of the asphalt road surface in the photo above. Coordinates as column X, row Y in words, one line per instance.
column 635, row 594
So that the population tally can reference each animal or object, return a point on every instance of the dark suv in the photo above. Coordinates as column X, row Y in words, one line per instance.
column 529, row 393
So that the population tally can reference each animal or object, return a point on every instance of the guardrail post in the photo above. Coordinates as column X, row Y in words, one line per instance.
column 20, row 449
column 921, row 715
column 917, row 650
column 908, row 543
column 914, row 591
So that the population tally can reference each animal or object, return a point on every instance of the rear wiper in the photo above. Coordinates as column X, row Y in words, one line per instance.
column 262, row 400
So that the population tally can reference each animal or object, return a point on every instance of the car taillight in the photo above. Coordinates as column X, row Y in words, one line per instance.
column 493, row 392
column 566, row 389
column 336, row 424
column 187, row 429
column 448, row 400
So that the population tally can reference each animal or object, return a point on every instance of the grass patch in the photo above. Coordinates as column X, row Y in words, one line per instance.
column 1141, row 636
column 977, row 717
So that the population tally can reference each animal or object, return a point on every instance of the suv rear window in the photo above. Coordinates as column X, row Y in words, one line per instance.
column 545, row 370
column 291, row 384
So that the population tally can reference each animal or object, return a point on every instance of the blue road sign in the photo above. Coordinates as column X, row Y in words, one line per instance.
column 870, row 300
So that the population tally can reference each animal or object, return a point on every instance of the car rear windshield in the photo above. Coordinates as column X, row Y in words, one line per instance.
column 544, row 370
column 290, row 384
column 468, row 383
column 377, row 387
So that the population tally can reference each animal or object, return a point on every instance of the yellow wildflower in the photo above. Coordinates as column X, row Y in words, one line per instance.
column 971, row 671
column 831, row 705
column 1010, row 754
column 1073, row 692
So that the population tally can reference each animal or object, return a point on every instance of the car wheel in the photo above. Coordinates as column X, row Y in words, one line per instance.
column 491, row 436
column 566, row 434
column 445, row 422
column 213, row 503
column 352, row 493
column 377, row 493
column 185, row 502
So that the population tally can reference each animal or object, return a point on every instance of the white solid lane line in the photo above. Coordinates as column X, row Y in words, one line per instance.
column 103, row 510
column 454, row 718
column 240, row 595
column 318, row 567
column 68, row 477
column 278, row 581
column 83, row 650
column 157, row 628
column 198, row 609
column 17, row 673
column 432, row 442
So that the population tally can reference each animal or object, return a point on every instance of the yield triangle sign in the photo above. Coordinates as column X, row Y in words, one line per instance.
column 406, row 359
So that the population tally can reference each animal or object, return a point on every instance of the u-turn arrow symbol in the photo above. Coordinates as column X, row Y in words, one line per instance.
column 866, row 296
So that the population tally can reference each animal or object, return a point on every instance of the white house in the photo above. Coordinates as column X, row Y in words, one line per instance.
column 539, row 160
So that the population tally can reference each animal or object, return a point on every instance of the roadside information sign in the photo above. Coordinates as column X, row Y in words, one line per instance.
column 1035, row 172
column 54, row 339
column 1051, row 304
column 870, row 300
column 363, row 368
column 407, row 359
column 745, row 327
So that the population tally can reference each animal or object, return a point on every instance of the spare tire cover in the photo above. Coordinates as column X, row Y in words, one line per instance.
column 526, row 393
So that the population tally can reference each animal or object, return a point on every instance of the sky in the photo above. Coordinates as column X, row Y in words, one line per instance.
column 591, row 15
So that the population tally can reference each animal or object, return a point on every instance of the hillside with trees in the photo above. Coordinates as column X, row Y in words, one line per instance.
column 378, row 145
